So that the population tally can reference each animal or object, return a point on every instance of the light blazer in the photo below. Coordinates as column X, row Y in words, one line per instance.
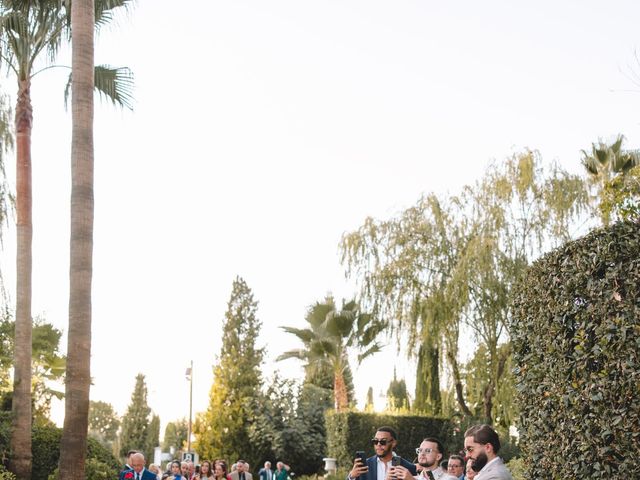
column 247, row 476
column 496, row 470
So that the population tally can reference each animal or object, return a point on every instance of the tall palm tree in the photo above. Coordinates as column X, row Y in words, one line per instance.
column 29, row 30
column 331, row 335
column 73, row 446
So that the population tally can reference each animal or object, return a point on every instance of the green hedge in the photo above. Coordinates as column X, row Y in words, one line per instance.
column 45, row 447
column 576, row 340
column 348, row 432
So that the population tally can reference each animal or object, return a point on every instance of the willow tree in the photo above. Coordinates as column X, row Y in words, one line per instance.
column 450, row 262
column 332, row 333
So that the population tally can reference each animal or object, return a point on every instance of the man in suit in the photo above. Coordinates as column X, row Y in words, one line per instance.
column 241, row 472
column 376, row 467
column 482, row 444
column 127, row 465
column 266, row 473
column 430, row 453
column 138, row 472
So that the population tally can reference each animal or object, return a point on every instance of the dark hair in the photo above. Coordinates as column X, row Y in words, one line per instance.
column 437, row 442
column 484, row 434
column 131, row 452
column 457, row 457
column 389, row 430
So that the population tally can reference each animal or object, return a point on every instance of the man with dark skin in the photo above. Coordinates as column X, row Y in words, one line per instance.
column 377, row 467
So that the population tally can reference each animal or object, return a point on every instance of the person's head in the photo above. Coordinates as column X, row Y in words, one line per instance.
column 456, row 465
column 137, row 462
column 241, row 466
column 384, row 441
column 430, row 453
column 267, row 465
column 470, row 473
column 192, row 467
column 184, row 468
column 279, row 465
column 130, row 454
column 246, row 467
column 481, row 443
column 175, row 467
column 153, row 468
column 205, row 467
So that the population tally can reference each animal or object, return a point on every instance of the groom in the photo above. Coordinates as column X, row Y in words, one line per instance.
column 138, row 472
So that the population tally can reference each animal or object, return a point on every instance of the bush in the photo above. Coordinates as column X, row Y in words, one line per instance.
column 351, row 431
column 576, row 340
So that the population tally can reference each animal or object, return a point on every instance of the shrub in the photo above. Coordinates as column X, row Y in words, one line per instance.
column 351, row 431
column 576, row 340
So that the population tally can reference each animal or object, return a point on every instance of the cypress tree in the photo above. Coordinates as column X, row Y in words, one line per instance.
column 135, row 423
column 222, row 431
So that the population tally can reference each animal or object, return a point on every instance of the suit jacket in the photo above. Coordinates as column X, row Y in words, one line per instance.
column 145, row 475
column 247, row 476
column 496, row 470
column 263, row 474
column 372, row 463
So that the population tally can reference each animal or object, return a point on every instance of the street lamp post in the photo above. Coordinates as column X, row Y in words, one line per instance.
column 190, row 378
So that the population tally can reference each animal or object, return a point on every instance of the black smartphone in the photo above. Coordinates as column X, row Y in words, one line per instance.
column 361, row 456
column 396, row 461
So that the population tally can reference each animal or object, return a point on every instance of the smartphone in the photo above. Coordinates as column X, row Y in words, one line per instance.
column 395, row 461
column 361, row 456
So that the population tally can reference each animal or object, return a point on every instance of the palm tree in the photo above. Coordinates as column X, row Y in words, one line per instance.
column 615, row 172
column 332, row 333
column 73, row 446
column 29, row 30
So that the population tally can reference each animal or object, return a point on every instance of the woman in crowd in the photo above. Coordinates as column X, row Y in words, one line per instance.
column 175, row 471
column 220, row 471
column 205, row 471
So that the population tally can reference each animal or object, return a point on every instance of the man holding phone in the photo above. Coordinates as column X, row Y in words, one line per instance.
column 378, row 466
column 430, row 453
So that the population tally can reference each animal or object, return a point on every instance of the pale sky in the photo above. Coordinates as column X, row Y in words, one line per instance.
column 264, row 130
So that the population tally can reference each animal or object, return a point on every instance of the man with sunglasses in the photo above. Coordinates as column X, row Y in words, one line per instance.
column 481, row 444
column 378, row 466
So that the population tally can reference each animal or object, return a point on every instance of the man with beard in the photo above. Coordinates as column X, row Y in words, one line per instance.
column 430, row 454
column 482, row 444
column 378, row 466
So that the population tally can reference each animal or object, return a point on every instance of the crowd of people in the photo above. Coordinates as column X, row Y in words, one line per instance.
column 478, row 461
column 136, row 469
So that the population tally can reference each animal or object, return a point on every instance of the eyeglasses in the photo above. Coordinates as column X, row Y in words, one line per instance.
column 424, row 450
column 451, row 466
column 381, row 441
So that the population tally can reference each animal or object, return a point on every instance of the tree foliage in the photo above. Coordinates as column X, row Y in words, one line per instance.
column 135, row 422
column 614, row 174
column 222, row 431
column 332, row 333
column 103, row 422
column 397, row 395
column 175, row 435
column 451, row 261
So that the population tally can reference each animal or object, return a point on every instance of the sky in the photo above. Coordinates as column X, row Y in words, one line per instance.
column 264, row 130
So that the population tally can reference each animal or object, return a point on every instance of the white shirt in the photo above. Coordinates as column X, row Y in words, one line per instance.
column 382, row 468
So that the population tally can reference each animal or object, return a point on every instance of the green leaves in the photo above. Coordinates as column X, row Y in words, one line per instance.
column 574, row 332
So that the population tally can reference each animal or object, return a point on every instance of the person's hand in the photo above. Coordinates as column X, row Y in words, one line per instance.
column 358, row 469
column 400, row 473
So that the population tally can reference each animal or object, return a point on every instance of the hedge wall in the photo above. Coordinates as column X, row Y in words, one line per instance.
column 348, row 432
column 576, row 340
column 46, row 449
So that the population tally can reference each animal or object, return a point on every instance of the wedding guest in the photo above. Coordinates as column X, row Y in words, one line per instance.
column 206, row 472
column 471, row 473
column 220, row 471
column 155, row 469
column 138, row 470
column 176, row 472
column 127, row 465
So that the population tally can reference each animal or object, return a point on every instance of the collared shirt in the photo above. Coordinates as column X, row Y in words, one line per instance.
column 382, row 468
column 437, row 473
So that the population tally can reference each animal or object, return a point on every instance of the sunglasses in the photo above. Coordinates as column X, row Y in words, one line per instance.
column 424, row 450
column 381, row 441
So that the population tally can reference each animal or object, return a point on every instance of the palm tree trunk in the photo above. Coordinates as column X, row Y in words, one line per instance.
column 20, row 462
column 73, row 446
column 340, row 392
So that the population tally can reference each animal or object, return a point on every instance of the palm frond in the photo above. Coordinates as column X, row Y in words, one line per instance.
column 116, row 84
column 297, row 354
column 303, row 334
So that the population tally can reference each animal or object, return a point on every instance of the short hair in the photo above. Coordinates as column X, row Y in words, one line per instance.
column 484, row 434
column 131, row 452
column 437, row 442
column 389, row 430
column 457, row 457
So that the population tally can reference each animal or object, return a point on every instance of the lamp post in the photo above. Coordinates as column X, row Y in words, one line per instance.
column 189, row 376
